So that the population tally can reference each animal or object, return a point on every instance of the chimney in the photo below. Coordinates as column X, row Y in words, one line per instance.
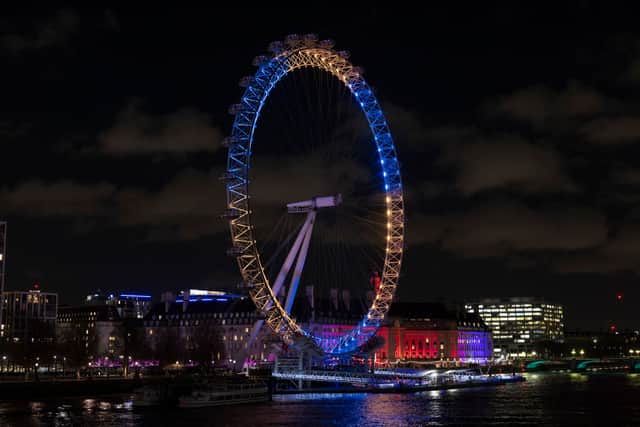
column 333, row 293
column 167, row 298
column 309, row 293
column 185, row 300
column 369, row 297
column 346, row 298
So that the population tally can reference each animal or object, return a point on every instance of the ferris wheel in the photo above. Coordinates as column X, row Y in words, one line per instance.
column 295, row 53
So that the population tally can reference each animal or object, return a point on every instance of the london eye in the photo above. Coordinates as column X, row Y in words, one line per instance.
column 273, row 258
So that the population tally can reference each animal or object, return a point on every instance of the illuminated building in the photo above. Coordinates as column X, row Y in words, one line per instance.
column 3, row 256
column 178, row 326
column 412, row 332
column 91, row 331
column 518, row 323
column 130, row 305
column 427, row 332
column 30, row 316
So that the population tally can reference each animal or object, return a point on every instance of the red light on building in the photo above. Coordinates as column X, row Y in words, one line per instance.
column 374, row 281
column 36, row 286
column 619, row 296
column 612, row 328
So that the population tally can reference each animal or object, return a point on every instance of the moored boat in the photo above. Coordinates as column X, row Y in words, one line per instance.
column 225, row 394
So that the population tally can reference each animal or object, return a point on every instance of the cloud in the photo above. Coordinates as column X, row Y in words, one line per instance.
column 136, row 132
column 505, row 228
column 58, row 198
column 627, row 176
column 539, row 104
column 511, row 162
column 632, row 73
column 619, row 253
column 187, row 207
column 613, row 130
column 409, row 131
column 55, row 32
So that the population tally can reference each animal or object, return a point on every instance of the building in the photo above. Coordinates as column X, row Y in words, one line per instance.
column 3, row 256
column 330, row 318
column 592, row 344
column 130, row 305
column 428, row 332
column 91, row 333
column 518, row 324
column 204, row 326
column 412, row 332
column 29, row 316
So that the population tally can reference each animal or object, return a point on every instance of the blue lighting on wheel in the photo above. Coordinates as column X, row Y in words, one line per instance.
column 253, row 100
column 140, row 296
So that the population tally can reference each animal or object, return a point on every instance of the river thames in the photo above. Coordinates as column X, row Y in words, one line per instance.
column 544, row 400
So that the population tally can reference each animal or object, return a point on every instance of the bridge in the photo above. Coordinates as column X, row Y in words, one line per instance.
column 590, row 364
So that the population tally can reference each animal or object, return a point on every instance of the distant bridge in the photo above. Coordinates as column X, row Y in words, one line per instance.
column 585, row 364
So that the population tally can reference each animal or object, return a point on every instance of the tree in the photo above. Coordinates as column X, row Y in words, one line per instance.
column 205, row 344
column 76, row 346
column 136, row 343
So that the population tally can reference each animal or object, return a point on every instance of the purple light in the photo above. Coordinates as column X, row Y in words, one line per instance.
column 141, row 296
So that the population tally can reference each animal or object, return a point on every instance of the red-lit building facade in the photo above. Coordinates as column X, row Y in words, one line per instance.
column 428, row 333
column 413, row 332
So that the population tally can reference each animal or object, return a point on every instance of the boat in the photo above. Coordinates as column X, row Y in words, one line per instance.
column 156, row 395
column 225, row 394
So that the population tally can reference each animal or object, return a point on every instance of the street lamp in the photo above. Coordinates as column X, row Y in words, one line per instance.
column 573, row 351
column 581, row 352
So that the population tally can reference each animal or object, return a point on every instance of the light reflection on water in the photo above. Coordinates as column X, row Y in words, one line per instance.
column 544, row 399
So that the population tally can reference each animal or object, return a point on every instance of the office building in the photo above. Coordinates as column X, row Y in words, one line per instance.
column 130, row 305
column 519, row 323
column 29, row 316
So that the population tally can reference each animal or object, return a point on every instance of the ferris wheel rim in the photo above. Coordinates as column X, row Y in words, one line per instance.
column 298, row 53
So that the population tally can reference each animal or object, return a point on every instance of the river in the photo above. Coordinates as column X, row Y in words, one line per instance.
column 543, row 400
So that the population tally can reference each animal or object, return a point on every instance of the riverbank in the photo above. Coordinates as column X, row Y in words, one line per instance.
column 21, row 390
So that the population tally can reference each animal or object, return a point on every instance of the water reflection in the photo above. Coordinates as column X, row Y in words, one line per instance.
column 545, row 400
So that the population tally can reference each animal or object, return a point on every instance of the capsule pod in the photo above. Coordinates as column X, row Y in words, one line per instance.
column 235, row 108
column 230, row 214
column 228, row 141
column 310, row 40
column 345, row 54
column 245, row 81
column 276, row 47
column 227, row 177
column 293, row 40
column 235, row 251
column 259, row 60
column 358, row 71
column 326, row 44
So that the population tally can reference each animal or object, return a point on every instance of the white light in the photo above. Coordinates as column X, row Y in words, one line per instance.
column 1, row 257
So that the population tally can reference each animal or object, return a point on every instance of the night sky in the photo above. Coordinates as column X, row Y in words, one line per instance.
column 518, row 130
